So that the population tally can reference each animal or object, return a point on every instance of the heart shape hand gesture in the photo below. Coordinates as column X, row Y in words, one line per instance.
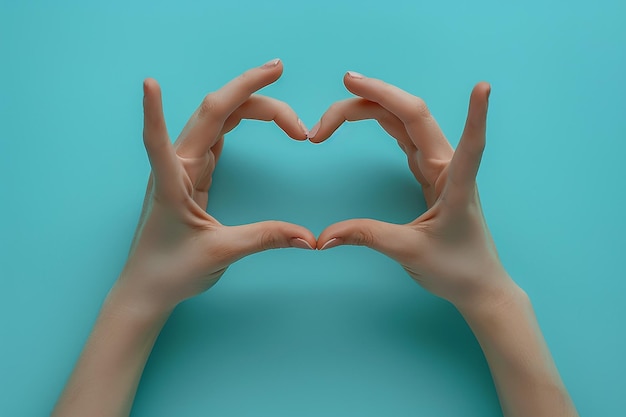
column 179, row 250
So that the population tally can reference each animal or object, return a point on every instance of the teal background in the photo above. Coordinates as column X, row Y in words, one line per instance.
column 288, row 332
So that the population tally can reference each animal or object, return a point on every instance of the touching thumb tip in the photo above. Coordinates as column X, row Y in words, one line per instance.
column 300, row 243
column 331, row 243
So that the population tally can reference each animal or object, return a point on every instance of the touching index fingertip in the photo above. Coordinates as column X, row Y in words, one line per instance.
column 311, row 133
column 303, row 128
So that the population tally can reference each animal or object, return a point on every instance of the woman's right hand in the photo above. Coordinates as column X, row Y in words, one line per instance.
column 448, row 250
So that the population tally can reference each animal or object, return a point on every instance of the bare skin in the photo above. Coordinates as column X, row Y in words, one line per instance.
column 449, row 250
column 179, row 250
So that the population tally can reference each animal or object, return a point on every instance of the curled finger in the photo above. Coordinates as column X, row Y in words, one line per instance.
column 203, row 129
column 411, row 110
column 259, row 107
column 355, row 109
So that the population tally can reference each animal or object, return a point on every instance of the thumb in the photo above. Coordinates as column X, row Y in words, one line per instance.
column 251, row 238
column 161, row 153
column 468, row 154
column 399, row 242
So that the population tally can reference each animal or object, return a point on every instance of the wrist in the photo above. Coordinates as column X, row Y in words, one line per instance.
column 132, row 304
column 496, row 303
column 493, row 292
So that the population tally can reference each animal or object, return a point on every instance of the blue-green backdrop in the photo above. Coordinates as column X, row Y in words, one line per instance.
column 288, row 332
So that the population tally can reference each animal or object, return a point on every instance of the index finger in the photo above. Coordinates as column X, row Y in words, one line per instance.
column 204, row 127
column 413, row 111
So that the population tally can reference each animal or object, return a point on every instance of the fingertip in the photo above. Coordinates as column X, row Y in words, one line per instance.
column 280, row 68
column 313, row 134
column 274, row 67
column 298, row 242
column 326, row 235
column 296, row 134
column 303, row 239
column 331, row 243
column 289, row 122
column 479, row 102
column 302, row 134
column 272, row 64
column 483, row 89
column 303, row 127
column 337, row 234
column 325, row 242
column 150, row 85
column 351, row 80
column 319, row 133
column 152, row 98
column 353, row 76
column 316, row 141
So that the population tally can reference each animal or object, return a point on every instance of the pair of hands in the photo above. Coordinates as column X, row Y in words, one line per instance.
column 179, row 250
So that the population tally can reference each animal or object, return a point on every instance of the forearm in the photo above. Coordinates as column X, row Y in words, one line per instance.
column 105, row 379
column 522, row 367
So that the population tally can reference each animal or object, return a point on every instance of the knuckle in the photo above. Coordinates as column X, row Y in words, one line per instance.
column 282, row 108
column 245, row 76
column 385, row 116
column 385, row 90
column 420, row 108
column 210, row 106
column 269, row 240
column 224, row 254
column 248, row 81
column 333, row 108
column 363, row 238
column 336, row 107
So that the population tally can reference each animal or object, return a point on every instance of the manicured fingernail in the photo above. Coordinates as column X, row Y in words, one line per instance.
column 353, row 74
column 331, row 243
column 297, row 242
column 303, row 127
column 271, row 64
column 314, row 130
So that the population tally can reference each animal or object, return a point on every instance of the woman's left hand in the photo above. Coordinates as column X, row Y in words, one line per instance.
column 179, row 250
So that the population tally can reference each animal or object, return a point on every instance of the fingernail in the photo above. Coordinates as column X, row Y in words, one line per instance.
column 353, row 74
column 303, row 127
column 297, row 242
column 331, row 243
column 313, row 130
column 271, row 64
